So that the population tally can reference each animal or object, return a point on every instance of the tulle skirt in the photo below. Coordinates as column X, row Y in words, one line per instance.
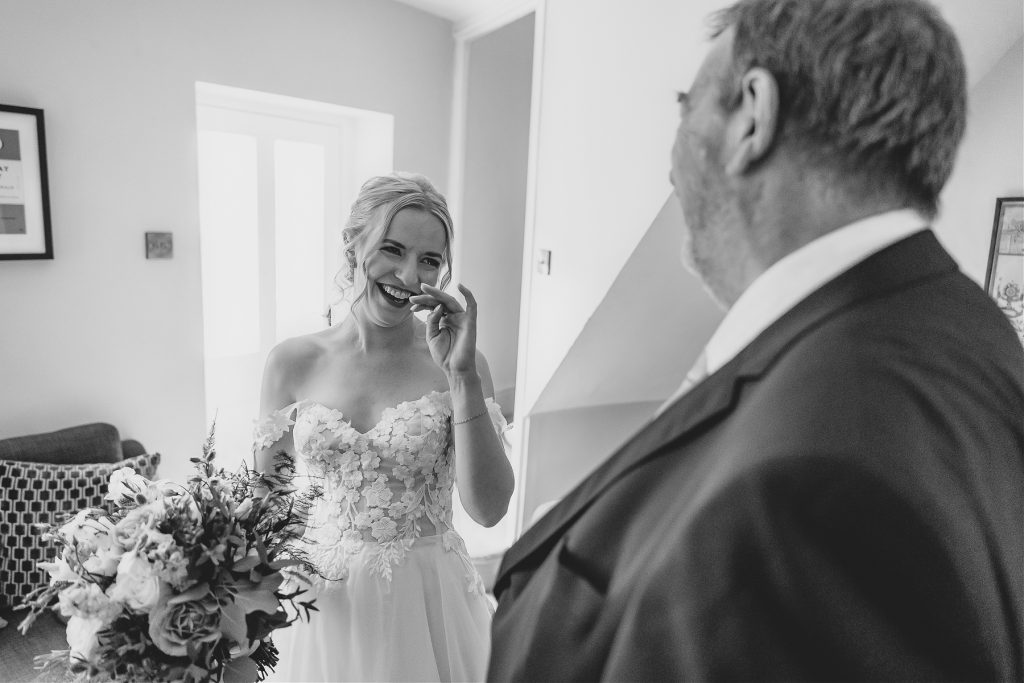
column 423, row 625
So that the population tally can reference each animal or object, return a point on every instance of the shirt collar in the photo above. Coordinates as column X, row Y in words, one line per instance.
column 796, row 275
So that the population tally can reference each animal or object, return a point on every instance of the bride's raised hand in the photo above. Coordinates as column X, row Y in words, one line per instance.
column 451, row 329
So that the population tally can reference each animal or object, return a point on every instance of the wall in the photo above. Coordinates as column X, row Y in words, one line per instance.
column 606, row 122
column 647, row 332
column 100, row 333
column 576, row 440
column 499, row 80
column 990, row 163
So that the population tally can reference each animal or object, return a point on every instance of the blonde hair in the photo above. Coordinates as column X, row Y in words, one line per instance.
column 380, row 198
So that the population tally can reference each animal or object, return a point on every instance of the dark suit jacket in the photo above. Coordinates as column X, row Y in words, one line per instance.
column 842, row 501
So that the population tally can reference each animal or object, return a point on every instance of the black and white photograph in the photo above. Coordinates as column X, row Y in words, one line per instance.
column 511, row 340
column 24, row 193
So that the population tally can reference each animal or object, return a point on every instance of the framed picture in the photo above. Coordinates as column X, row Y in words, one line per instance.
column 24, row 196
column 1004, row 279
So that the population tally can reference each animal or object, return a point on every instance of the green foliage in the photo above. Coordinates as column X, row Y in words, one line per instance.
column 236, row 535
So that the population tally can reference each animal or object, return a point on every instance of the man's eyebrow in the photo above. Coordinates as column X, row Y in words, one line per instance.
column 682, row 96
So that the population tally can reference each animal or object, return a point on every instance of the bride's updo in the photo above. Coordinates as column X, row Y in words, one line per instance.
column 379, row 200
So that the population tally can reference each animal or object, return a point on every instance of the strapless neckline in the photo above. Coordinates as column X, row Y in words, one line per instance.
column 340, row 416
column 381, row 490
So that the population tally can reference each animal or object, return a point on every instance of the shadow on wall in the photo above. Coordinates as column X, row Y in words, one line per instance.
column 646, row 332
column 631, row 355
column 566, row 445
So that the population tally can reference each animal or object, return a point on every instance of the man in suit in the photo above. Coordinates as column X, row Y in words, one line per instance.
column 842, row 497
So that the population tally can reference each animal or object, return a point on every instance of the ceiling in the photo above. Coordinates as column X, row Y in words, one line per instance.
column 463, row 13
column 986, row 28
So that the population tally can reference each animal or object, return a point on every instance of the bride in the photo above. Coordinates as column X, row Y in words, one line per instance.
column 390, row 412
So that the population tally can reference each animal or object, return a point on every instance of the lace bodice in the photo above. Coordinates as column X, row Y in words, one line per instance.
column 384, row 488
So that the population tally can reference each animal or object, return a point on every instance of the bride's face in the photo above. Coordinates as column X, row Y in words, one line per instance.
column 410, row 253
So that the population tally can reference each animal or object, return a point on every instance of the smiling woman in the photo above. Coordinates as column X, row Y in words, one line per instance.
column 386, row 411
column 412, row 247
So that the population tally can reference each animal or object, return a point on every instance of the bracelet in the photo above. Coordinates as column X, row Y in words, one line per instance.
column 469, row 419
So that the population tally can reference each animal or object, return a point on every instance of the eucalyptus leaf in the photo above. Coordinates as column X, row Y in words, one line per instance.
column 246, row 563
column 232, row 623
column 256, row 599
column 240, row 670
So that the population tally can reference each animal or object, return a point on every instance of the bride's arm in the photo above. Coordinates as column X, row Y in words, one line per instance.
column 482, row 469
column 273, row 433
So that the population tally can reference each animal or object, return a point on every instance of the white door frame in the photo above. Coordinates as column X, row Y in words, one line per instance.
column 464, row 34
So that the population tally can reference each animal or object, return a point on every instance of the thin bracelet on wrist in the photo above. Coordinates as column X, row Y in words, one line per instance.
column 469, row 419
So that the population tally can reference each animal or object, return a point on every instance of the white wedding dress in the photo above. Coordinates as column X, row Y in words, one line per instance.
column 398, row 597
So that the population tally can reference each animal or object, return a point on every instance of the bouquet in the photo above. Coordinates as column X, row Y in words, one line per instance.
column 179, row 583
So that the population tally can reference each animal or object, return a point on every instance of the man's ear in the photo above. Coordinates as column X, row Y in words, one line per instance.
column 754, row 122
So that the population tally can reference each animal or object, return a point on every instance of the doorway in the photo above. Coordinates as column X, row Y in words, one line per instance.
column 490, row 158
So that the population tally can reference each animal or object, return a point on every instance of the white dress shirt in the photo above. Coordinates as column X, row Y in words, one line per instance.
column 794, row 277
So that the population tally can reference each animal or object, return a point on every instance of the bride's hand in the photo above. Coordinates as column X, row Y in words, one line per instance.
column 451, row 329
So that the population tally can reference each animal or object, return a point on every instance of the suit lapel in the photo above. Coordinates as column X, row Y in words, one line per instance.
column 702, row 404
column 901, row 265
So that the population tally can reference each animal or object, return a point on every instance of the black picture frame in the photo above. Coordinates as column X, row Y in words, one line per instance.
column 25, row 231
column 1004, row 277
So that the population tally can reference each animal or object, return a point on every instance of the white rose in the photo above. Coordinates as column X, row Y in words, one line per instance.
column 82, row 639
column 131, row 529
column 87, row 601
column 138, row 584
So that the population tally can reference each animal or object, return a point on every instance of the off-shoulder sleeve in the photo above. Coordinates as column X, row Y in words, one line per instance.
column 497, row 418
column 268, row 430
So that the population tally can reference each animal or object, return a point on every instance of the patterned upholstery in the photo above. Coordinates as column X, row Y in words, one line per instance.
column 41, row 492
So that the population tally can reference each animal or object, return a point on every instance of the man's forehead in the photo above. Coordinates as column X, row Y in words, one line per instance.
column 716, row 62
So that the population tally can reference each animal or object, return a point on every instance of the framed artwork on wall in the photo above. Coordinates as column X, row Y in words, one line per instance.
column 1004, row 278
column 24, row 195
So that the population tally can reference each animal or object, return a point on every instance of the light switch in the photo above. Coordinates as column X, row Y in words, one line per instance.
column 544, row 261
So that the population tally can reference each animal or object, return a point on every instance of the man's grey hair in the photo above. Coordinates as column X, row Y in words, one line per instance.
column 872, row 89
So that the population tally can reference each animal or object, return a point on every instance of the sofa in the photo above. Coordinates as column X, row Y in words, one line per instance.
column 47, row 478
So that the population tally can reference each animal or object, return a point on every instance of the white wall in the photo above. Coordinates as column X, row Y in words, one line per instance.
column 100, row 333
column 490, row 239
column 607, row 118
column 647, row 332
column 576, row 441
column 990, row 164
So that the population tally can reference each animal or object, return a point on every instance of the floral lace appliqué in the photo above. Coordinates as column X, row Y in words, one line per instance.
column 384, row 488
